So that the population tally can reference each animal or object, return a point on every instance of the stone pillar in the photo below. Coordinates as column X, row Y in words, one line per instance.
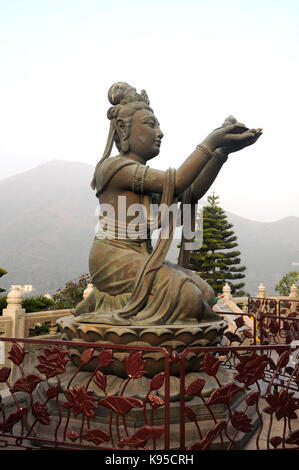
column 16, row 313
column 261, row 292
column 87, row 291
column 227, row 292
column 294, row 292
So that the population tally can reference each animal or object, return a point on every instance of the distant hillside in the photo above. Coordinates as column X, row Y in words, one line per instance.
column 48, row 219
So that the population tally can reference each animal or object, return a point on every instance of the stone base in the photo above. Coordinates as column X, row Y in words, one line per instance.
column 173, row 338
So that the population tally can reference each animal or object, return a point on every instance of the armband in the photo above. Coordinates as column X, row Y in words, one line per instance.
column 139, row 178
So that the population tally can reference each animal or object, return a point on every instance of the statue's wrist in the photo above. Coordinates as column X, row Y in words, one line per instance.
column 221, row 154
column 206, row 149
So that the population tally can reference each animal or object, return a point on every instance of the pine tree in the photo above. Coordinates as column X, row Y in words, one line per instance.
column 216, row 261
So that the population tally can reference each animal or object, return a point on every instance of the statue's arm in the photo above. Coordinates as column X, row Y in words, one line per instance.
column 204, row 158
column 154, row 179
column 207, row 176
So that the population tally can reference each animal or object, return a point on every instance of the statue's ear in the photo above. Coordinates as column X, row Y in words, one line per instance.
column 123, row 131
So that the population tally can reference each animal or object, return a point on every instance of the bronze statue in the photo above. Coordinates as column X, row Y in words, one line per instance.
column 133, row 284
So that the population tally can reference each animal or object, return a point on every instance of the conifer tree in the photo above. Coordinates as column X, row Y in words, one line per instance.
column 216, row 261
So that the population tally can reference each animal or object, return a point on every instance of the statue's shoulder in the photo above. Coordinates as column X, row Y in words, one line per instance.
column 108, row 169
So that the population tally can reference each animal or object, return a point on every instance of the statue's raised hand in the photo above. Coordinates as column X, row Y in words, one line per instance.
column 232, row 136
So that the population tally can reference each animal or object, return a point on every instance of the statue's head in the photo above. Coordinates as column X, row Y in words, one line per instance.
column 131, row 123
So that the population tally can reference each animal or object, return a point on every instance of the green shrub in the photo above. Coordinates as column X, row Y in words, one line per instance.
column 40, row 329
column 37, row 304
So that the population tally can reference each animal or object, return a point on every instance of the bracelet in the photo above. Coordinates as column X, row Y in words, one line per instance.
column 206, row 150
column 220, row 155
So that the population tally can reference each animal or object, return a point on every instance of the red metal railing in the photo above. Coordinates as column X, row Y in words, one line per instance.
column 235, row 397
column 43, row 419
column 277, row 321
column 270, row 399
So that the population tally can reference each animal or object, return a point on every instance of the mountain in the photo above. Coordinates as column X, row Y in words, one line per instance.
column 48, row 219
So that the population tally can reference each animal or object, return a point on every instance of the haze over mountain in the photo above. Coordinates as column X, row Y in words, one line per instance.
column 48, row 219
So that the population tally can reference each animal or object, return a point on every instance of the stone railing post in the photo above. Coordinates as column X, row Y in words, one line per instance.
column 261, row 292
column 87, row 291
column 16, row 313
column 294, row 292
column 227, row 292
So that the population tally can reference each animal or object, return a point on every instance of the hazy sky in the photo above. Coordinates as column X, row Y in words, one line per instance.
column 199, row 61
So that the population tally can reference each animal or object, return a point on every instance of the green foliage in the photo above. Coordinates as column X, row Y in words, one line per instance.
column 284, row 285
column 40, row 329
column 2, row 272
column 37, row 304
column 72, row 293
column 217, row 261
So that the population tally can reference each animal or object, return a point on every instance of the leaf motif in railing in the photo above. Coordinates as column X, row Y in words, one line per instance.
column 81, row 400
column 293, row 437
column 13, row 419
column 224, row 394
column 53, row 391
column 4, row 374
column 252, row 398
column 100, row 380
column 97, row 436
column 239, row 322
column 157, row 381
column 195, row 388
column 105, row 357
column 209, row 437
column 286, row 325
column 86, row 356
column 155, row 401
column 16, row 354
column 52, row 362
column 283, row 360
column 233, row 337
column 289, row 338
column 210, row 364
column 275, row 441
column 134, row 365
column 120, row 405
column 72, row 435
column 190, row 414
column 142, row 435
column 27, row 383
column 41, row 413
column 241, row 421
column 247, row 333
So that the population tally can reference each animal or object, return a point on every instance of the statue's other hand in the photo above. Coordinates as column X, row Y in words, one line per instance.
column 235, row 142
column 232, row 136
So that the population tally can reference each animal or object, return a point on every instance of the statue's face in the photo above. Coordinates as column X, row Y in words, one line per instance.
column 146, row 135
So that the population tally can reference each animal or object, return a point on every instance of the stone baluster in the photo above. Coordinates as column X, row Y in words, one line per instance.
column 16, row 313
column 227, row 292
column 294, row 292
column 261, row 292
